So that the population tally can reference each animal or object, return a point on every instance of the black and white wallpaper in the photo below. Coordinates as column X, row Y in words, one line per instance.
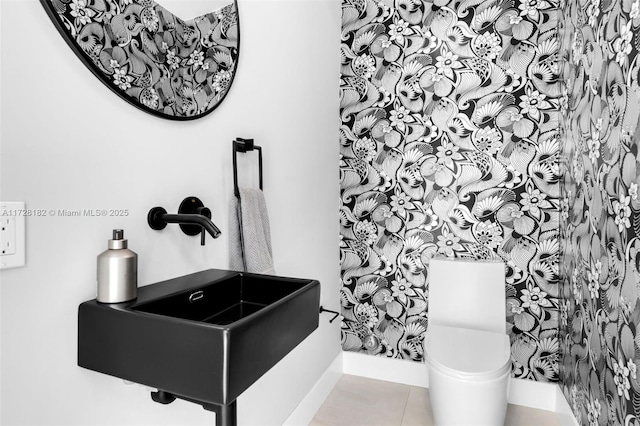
column 153, row 59
column 600, row 210
column 449, row 146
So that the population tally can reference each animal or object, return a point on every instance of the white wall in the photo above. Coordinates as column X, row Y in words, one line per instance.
column 68, row 142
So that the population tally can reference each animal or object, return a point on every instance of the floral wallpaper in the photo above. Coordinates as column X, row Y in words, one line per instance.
column 166, row 66
column 449, row 146
column 600, row 210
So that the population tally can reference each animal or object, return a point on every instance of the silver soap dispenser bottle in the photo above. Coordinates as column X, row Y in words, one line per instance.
column 117, row 271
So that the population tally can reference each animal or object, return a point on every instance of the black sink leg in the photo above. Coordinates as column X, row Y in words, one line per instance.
column 226, row 415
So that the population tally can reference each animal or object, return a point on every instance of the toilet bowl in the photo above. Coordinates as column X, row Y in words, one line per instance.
column 468, row 375
column 467, row 350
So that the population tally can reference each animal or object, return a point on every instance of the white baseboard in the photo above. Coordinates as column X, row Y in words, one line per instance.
column 542, row 396
column 304, row 412
column 388, row 369
column 521, row 392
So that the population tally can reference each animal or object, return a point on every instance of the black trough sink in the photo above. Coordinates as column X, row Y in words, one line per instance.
column 204, row 337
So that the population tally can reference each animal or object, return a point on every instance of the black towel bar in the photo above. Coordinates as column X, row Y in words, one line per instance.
column 244, row 145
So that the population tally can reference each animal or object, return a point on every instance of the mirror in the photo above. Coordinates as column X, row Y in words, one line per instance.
column 169, row 67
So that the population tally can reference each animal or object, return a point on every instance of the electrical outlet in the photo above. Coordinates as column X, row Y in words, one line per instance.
column 7, row 235
column 12, row 234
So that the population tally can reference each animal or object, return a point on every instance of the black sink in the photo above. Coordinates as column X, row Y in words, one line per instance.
column 204, row 337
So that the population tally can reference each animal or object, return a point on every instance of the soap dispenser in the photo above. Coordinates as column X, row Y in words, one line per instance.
column 117, row 271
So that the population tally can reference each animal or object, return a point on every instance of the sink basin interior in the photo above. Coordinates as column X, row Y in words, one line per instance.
column 223, row 302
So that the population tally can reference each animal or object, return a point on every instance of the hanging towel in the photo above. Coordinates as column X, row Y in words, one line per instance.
column 249, row 234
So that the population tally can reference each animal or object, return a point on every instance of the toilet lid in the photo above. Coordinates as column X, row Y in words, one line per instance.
column 467, row 351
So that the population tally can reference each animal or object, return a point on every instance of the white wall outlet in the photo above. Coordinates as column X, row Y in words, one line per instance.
column 12, row 234
column 7, row 235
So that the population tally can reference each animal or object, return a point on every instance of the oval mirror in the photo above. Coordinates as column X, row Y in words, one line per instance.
column 165, row 65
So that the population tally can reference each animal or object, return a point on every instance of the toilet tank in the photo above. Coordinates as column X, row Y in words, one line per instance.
column 467, row 293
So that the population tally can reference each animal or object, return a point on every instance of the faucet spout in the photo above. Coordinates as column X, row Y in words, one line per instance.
column 195, row 219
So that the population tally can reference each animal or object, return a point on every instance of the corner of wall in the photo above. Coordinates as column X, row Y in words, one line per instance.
column 563, row 409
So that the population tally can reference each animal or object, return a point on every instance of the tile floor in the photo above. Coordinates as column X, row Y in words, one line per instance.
column 358, row 401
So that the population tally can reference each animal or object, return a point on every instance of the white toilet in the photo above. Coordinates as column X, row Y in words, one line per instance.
column 466, row 346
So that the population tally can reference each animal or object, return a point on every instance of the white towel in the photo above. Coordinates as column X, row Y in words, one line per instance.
column 249, row 234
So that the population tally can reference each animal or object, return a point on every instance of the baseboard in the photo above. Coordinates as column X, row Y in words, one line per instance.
column 304, row 412
column 388, row 369
column 542, row 396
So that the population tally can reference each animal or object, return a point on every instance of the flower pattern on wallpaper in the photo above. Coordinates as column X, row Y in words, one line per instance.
column 449, row 146
column 147, row 55
column 600, row 210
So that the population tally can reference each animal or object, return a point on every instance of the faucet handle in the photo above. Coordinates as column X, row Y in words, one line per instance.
column 206, row 212
column 192, row 205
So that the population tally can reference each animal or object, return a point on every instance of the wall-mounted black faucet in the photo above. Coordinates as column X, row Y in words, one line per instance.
column 193, row 217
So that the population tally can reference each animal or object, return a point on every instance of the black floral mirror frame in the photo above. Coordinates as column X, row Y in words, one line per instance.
column 174, row 69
